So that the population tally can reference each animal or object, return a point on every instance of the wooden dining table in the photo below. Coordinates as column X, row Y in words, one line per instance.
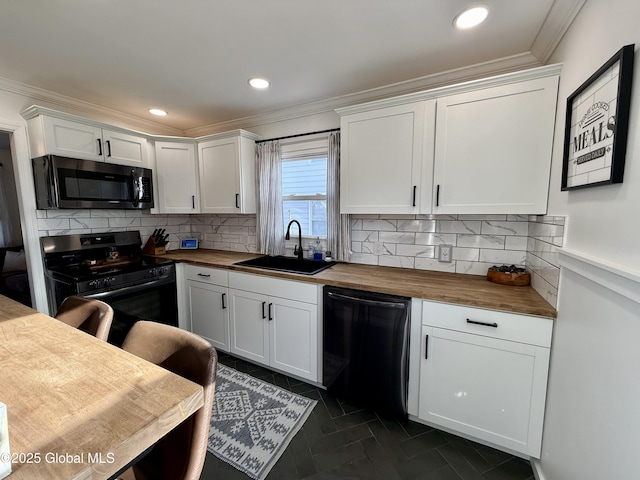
column 80, row 408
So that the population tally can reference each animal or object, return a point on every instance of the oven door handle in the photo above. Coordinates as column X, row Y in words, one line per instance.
column 130, row 289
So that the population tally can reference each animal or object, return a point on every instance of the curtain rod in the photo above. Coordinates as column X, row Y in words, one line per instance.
column 299, row 135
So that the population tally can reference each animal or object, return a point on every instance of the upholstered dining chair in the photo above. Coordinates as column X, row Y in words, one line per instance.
column 180, row 454
column 88, row 315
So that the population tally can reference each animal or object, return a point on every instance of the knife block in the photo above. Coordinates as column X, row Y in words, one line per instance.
column 150, row 248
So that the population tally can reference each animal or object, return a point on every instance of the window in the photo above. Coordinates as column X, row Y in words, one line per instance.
column 304, row 186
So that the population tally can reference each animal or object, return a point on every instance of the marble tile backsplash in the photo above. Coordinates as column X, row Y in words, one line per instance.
column 409, row 241
column 546, row 235
column 413, row 241
column 223, row 232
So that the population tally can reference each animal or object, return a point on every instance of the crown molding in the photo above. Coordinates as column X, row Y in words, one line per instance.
column 558, row 21
column 471, row 85
column 73, row 106
column 83, row 109
column 449, row 77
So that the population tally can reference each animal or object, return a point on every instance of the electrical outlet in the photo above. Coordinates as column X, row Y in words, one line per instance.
column 444, row 254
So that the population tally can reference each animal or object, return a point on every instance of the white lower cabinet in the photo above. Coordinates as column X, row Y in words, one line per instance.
column 249, row 325
column 208, row 306
column 275, row 322
column 483, row 374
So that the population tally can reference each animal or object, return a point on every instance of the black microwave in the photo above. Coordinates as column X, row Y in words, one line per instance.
column 62, row 182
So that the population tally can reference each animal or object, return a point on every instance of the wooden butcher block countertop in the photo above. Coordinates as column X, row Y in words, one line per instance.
column 471, row 290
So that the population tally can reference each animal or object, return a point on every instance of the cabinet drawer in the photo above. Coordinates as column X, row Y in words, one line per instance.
column 207, row 275
column 276, row 287
column 489, row 323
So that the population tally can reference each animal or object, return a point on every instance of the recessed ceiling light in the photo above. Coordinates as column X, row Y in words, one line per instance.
column 259, row 83
column 157, row 111
column 471, row 17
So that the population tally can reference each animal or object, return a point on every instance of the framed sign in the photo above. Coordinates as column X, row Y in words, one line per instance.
column 595, row 137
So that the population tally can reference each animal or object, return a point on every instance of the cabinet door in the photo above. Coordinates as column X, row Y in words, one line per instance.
column 381, row 159
column 293, row 329
column 209, row 312
column 249, row 325
column 177, row 177
column 72, row 139
column 493, row 149
column 124, row 149
column 220, row 176
column 488, row 388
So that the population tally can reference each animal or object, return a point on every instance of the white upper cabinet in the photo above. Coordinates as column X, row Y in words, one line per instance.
column 382, row 155
column 50, row 135
column 227, row 172
column 493, row 149
column 124, row 148
column 480, row 147
column 177, row 177
column 71, row 139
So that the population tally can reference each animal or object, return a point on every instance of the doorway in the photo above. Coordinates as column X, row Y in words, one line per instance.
column 14, row 276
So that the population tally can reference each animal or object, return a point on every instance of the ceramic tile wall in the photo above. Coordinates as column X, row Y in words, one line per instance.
column 65, row 222
column 479, row 241
column 412, row 241
column 546, row 235
column 409, row 241
column 223, row 232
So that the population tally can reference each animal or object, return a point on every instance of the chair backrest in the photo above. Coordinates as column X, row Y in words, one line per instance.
column 88, row 315
column 181, row 453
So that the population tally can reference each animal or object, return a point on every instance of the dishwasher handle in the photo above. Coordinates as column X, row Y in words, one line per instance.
column 377, row 303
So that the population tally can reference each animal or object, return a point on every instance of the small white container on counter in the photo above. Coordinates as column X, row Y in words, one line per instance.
column 5, row 452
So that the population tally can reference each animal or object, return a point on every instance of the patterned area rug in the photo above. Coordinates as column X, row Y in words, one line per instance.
column 253, row 421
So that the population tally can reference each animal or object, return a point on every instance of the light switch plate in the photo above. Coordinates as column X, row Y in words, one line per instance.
column 444, row 254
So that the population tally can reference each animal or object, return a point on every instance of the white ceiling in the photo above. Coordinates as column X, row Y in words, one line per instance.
column 193, row 57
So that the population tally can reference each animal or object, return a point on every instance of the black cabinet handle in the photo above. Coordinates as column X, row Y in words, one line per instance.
column 270, row 311
column 99, row 147
column 204, row 275
column 437, row 195
column 108, row 142
column 426, row 347
column 237, row 200
column 264, row 315
column 193, row 201
column 485, row 324
column 415, row 187
column 224, row 301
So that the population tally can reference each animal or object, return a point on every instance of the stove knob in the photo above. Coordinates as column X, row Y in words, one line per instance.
column 152, row 273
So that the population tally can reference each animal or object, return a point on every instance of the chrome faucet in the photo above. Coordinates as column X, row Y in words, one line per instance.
column 298, row 248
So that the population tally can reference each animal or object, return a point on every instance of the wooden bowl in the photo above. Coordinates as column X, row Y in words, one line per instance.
column 506, row 278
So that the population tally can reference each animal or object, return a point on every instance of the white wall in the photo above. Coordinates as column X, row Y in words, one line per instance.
column 592, row 423
column 603, row 219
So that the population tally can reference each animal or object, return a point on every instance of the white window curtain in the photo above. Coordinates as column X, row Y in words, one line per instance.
column 270, row 228
column 338, row 228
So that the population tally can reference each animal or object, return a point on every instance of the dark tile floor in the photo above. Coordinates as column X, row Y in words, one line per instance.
column 341, row 442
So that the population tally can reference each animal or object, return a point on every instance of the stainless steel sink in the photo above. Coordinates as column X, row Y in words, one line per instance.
column 287, row 264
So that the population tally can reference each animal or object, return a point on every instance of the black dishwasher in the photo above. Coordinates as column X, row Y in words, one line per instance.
column 366, row 349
